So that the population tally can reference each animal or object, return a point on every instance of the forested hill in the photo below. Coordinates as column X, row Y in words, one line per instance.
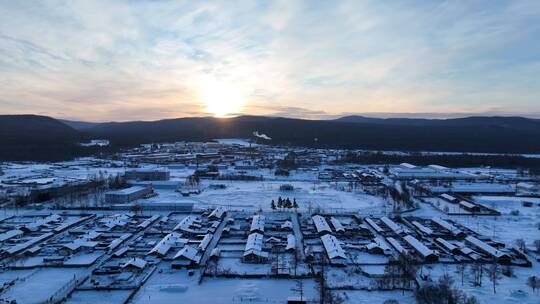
column 40, row 137
column 473, row 134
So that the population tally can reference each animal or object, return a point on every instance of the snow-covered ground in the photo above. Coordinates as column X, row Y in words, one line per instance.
column 258, row 195
column 171, row 285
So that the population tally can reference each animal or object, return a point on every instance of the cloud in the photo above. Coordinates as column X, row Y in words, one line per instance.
column 102, row 60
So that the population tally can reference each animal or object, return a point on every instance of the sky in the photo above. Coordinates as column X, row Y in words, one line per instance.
column 105, row 60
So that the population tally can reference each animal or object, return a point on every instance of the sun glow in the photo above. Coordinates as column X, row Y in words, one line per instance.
column 221, row 99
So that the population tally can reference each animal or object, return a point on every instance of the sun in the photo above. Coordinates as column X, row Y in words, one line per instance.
column 221, row 99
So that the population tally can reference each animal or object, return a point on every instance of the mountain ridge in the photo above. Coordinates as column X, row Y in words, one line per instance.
column 496, row 134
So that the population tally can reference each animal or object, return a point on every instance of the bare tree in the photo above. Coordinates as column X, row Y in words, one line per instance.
column 462, row 268
column 408, row 270
column 537, row 245
column 494, row 274
column 533, row 282
column 478, row 273
column 299, row 288
column 391, row 275
column 520, row 244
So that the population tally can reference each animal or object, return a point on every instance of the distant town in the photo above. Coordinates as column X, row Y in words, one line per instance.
column 238, row 221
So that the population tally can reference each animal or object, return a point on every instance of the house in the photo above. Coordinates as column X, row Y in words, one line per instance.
column 287, row 225
column 205, row 242
column 456, row 232
column 449, row 198
column 470, row 207
column 423, row 229
column 333, row 248
column 489, row 250
column 166, row 243
column 80, row 244
column 393, row 226
column 148, row 222
column 215, row 254
column 378, row 246
column 186, row 257
column 116, row 242
column 427, row 254
column 291, row 243
column 148, row 174
column 10, row 234
column 253, row 252
column 257, row 224
column 448, row 246
column 321, row 225
column 337, row 224
column 127, row 195
column 397, row 246
column 134, row 265
column 217, row 214
column 373, row 225
column 273, row 240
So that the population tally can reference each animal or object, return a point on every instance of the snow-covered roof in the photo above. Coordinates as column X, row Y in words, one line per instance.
column 287, row 225
column 373, row 225
column 188, row 253
column 320, row 224
column 115, row 220
column 205, row 242
column 484, row 247
column 126, row 191
column 257, row 223
column 448, row 197
column 438, row 167
column 185, row 223
column 382, row 244
column 424, row 229
column 135, row 262
column 216, row 252
column 422, row 249
column 397, row 246
column 254, row 245
column 116, row 242
column 446, row 225
column 407, row 165
column 393, row 226
column 10, row 234
column 120, row 252
column 148, row 222
column 31, row 242
column 165, row 244
column 92, row 235
column 447, row 245
column 291, row 242
column 273, row 239
column 80, row 243
column 333, row 247
column 42, row 222
column 217, row 213
column 254, row 242
column 337, row 224
column 467, row 204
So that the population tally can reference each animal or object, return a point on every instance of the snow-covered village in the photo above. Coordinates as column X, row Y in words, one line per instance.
column 232, row 221
column 269, row 152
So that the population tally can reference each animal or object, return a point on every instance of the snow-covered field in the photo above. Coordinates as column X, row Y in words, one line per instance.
column 258, row 195
column 39, row 286
column 170, row 286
